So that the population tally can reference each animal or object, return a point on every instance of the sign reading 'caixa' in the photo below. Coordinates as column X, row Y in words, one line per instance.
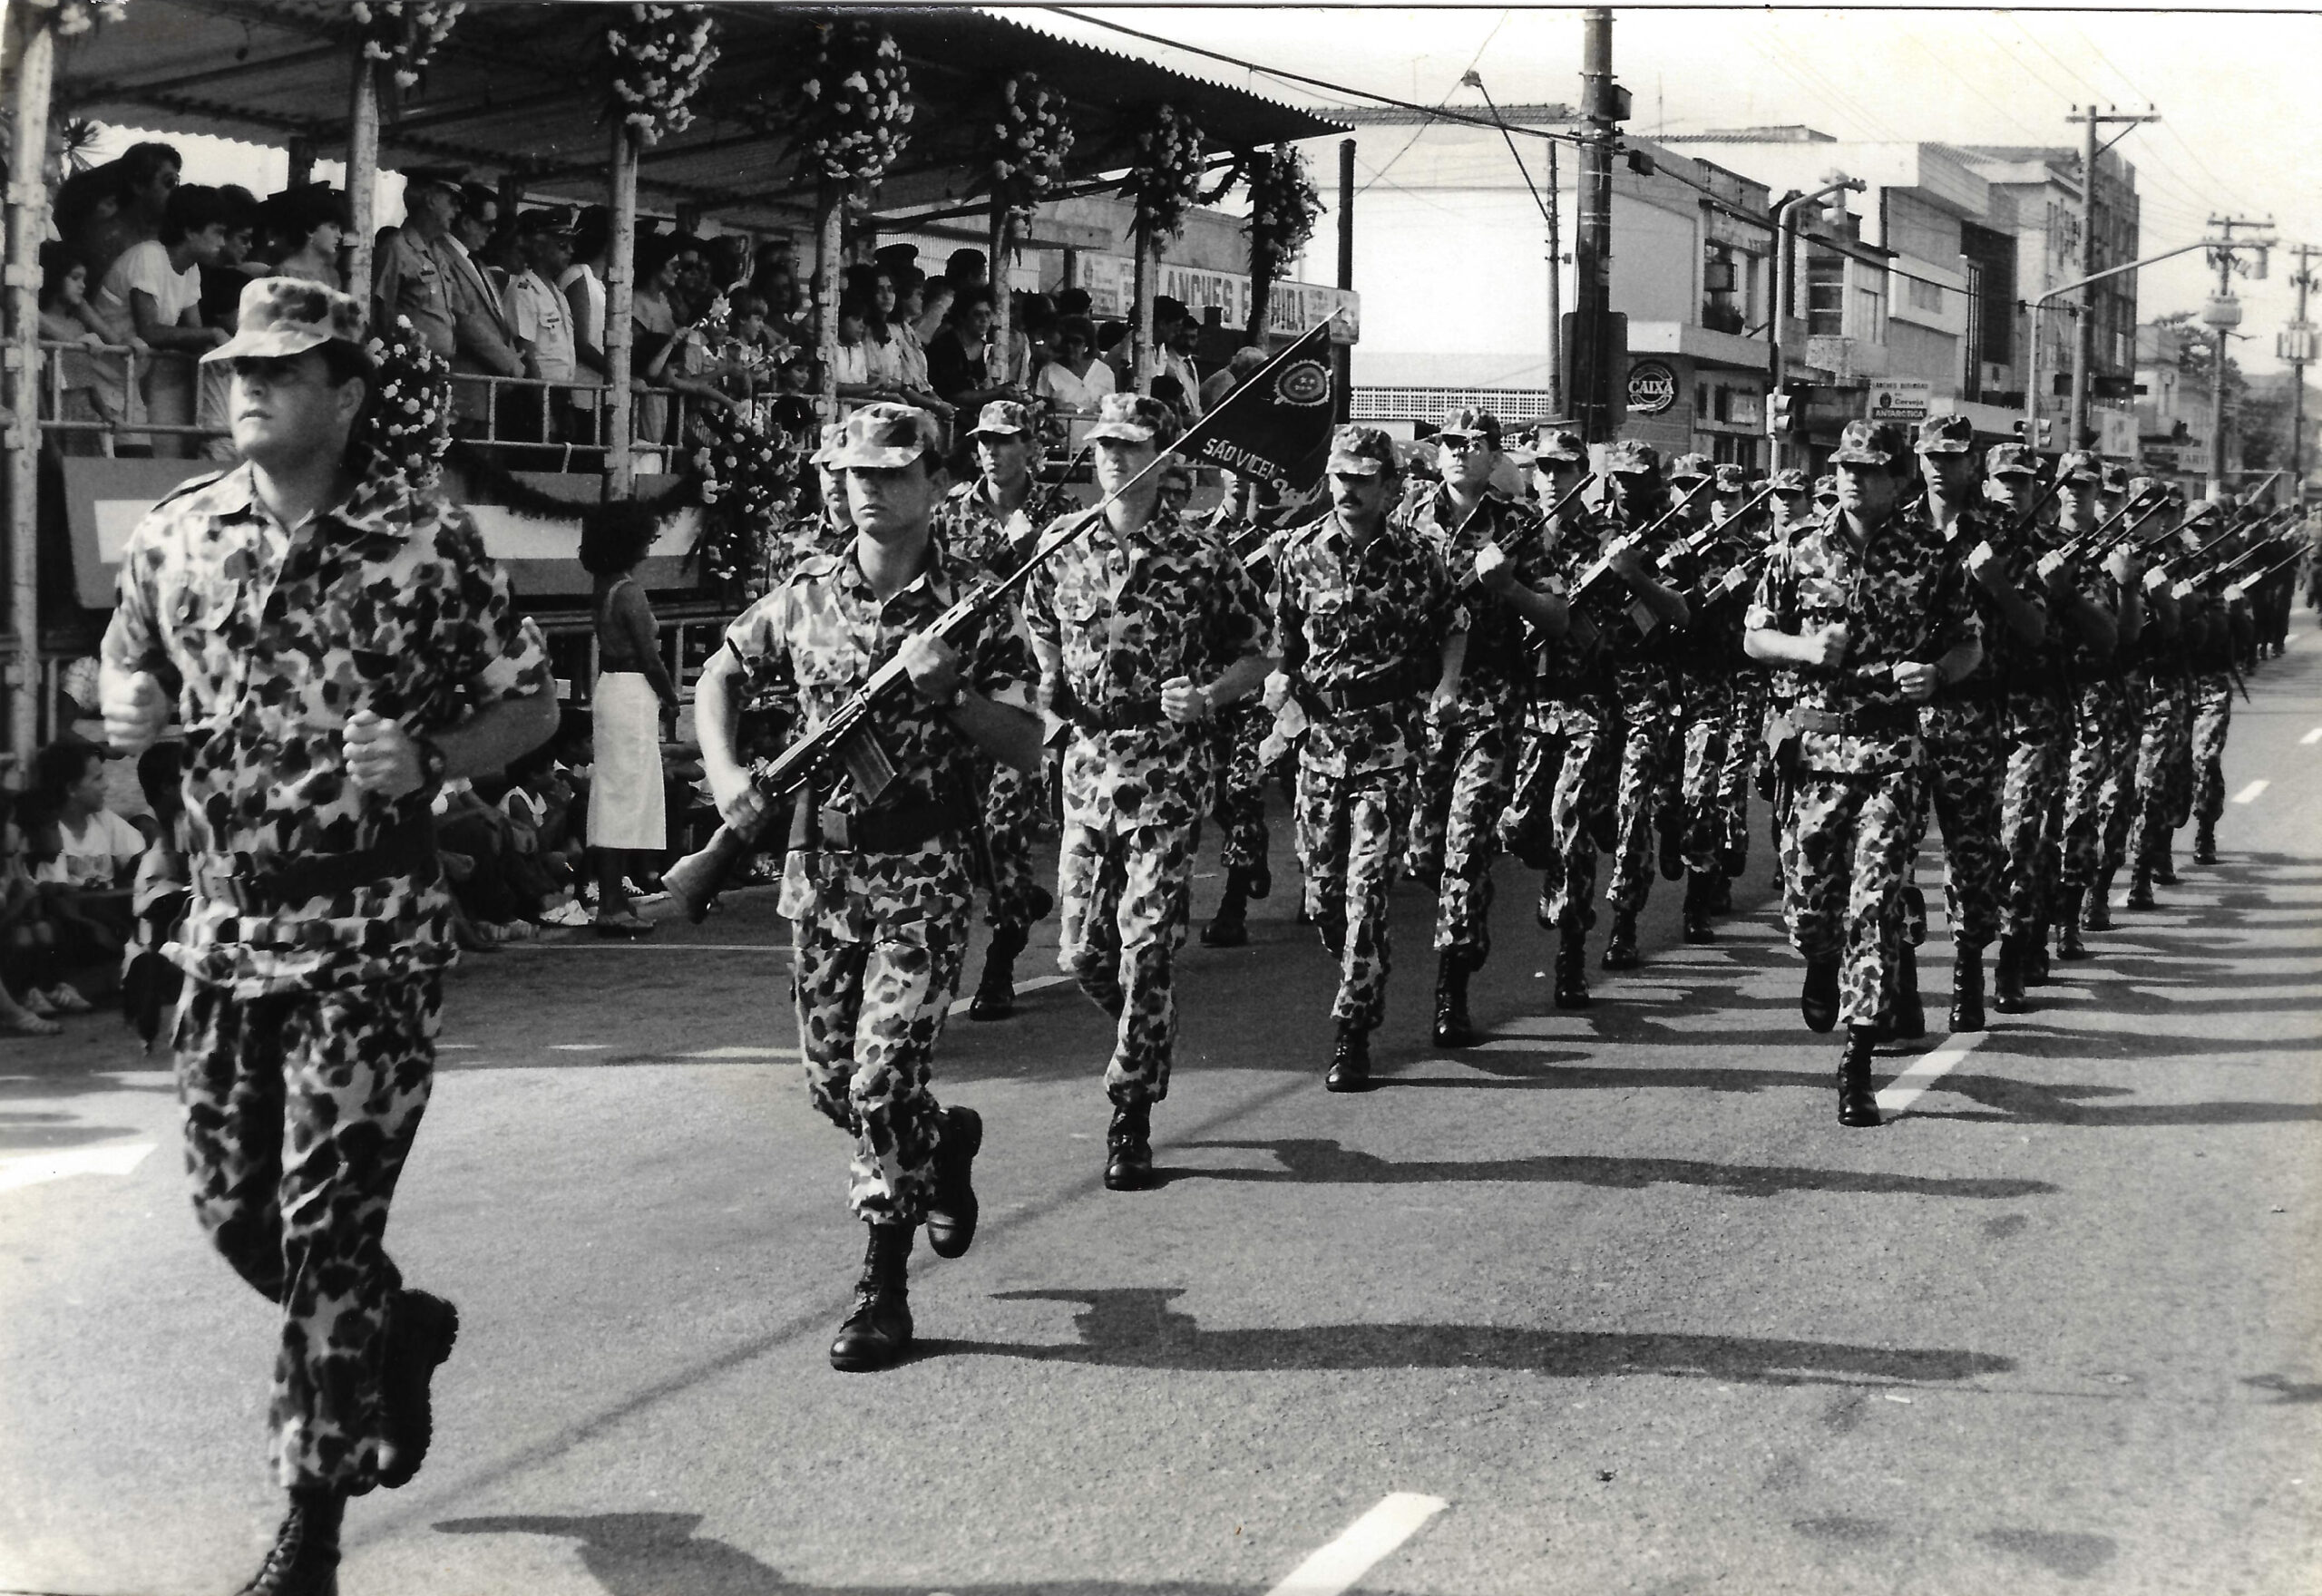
column 1653, row 387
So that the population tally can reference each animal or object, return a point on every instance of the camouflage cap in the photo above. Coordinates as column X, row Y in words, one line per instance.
column 1553, row 443
column 1630, row 458
column 282, row 317
column 1871, row 443
column 1947, row 435
column 1361, row 451
column 1789, row 480
column 1471, row 422
column 2081, row 465
column 1731, row 479
column 1004, row 418
column 1134, row 418
column 1826, row 487
column 834, row 435
column 1691, row 468
column 2116, row 478
column 887, row 437
column 2143, row 488
column 2011, row 460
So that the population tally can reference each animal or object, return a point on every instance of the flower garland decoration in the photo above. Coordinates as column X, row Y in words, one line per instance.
column 403, row 34
column 850, row 109
column 408, row 426
column 661, row 56
column 1164, row 174
column 78, row 17
column 1030, row 140
column 1283, row 206
column 747, row 484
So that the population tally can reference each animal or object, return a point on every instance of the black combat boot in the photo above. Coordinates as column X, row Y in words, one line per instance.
column 1967, row 990
column 2140, row 890
column 877, row 1333
column 2068, row 943
column 995, row 996
column 1572, row 968
column 1698, row 887
column 1818, row 998
column 1910, row 1010
column 2164, row 868
column 1230, row 925
column 2007, row 980
column 420, row 1331
column 1857, row 1104
column 2036, row 958
column 1453, row 1028
column 2096, row 909
column 951, row 1206
column 304, row 1558
column 1258, row 880
column 1128, row 1148
column 1349, row 1058
column 2205, row 843
column 1620, row 946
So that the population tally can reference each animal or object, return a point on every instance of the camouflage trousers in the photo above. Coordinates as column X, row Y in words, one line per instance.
column 2032, row 785
column 1014, row 805
column 299, row 1112
column 1745, row 746
column 1563, row 784
column 869, row 1013
column 1844, row 860
column 1647, row 728
column 1706, row 722
column 1963, row 777
column 2212, row 718
column 1240, row 807
column 2160, row 798
column 2103, row 757
column 1476, row 743
column 1350, row 836
column 1128, row 891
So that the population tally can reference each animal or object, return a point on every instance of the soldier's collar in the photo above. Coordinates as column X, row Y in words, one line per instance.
column 379, row 503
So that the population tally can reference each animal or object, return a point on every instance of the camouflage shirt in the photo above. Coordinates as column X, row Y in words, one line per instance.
column 1577, row 665
column 1350, row 615
column 2009, row 661
column 1498, row 668
column 271, row 637
column 806, row 538
column 972, row 529
column 1901, row 596
column 806, row 649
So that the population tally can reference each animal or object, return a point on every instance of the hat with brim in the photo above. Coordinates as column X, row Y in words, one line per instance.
column 1132, row 418
column 1558, row 446
column 1871, row 443
column 1947, row 435
column 826, row 451
column 1691, row 468
column 1003, row 418
column 887, row 437
column 1629, row 458
column 282, row 317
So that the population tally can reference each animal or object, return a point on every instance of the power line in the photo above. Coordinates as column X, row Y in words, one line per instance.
column 1429, row 122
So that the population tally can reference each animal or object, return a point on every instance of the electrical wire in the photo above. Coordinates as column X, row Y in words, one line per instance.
column 1423, row 126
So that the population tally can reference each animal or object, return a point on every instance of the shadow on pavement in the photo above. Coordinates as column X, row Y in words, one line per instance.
column 1133, row 1328
column 659, row 1554
column 1321, row 1162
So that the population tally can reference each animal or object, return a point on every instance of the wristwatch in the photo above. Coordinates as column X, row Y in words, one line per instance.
column 431, row 762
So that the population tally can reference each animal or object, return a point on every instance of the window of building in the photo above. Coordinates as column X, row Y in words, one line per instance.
column 1826, row 295
column 1925, row 295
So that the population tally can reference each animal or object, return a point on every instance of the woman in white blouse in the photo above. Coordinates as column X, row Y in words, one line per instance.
column 1076, row 379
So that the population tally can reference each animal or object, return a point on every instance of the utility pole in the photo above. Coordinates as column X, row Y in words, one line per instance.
column 2222, row 314
column 2083, row 348
column 1556, row 288
column 2297, row 347
column 1604, row 104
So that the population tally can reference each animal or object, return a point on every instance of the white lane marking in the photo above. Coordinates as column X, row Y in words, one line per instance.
column 1905, row 1089
column 1337, row 1566
column 30, row 1169
column 457, row 1047
column 742, row 1053
column 2249, row 794
column 648, row 945
column 1036, row 982
column 578, row 1046
column 2311, row 738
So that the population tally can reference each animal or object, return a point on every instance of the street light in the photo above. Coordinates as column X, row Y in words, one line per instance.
column 1472, row 79
column 1839, row 184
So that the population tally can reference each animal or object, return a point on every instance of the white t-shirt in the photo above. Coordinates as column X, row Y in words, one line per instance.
column 146, row 267
column 1071, row 393
column 538, row 315
column 105, row 848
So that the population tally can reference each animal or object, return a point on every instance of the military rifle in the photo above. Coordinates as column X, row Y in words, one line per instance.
column 1595, row 575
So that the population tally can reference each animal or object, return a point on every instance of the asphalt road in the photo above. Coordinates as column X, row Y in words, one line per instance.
column 1607, row 1304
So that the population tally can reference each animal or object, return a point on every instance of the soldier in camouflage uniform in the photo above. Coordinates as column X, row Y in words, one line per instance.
column 992, row 523
column 876, row 886
column 1146, row 628
column 2213, row 681
column 1635, row 644
column 2165, row 745
column 338, row 645
column 1240, row 522
column 1706, row 664
column 1369, row 624
column 1563, row 801
column 2102, row 707
column 1865, row 607
column 830, row 529
column 1745, row 729
column 1493, row 547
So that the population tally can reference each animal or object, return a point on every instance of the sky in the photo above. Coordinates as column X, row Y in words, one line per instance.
column 2240, row 129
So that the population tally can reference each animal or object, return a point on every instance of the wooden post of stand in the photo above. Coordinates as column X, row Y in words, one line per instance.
column 829, row 241
column 302, row 162
column 621, row 283
column 1003, row 301
column 34, row 43
column 1141, row 362
column 361, row 174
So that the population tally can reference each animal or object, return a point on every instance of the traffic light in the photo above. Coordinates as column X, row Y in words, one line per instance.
column 2038, row 439
column 1786, row 409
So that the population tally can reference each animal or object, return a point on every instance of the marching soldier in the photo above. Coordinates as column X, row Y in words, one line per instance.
column 1561, row 810
column 829, row 528
column 2100, row 732
column 993, row 522
column 2213, row 683
column 1370, row 626
column 1706, row 663
column 338, row 646
column 1145, row 626
column 1245, row 842
column 2158, row 797
column 1492, row 548
column 1865, row 606
column 877, row 884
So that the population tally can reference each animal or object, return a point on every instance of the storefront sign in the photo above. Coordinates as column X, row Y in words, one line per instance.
column 1900, row 400
column 1653, row 387
column 1111, row 282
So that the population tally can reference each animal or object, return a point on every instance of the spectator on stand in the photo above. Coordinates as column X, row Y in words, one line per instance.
column 411, row 283
column 627, row 800
column 66, row 317
column 305, row 227
column 966, row 269
column 1218, row 384
column 583, row 285
column 153, row 293
column 104, row 210
column 540, row 317
column 865, row 369
column 668, row 347
column 483, row 344
column 958, row 360
column 729, row 263
column 1175, row 335
column 1075, row 380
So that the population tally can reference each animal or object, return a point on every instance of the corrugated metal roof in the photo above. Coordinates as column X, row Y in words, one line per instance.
column 514, row 89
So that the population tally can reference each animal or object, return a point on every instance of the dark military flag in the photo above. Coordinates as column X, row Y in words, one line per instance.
column 1276, row 426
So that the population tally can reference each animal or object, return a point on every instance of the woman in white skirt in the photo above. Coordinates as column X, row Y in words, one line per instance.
column 628, row 820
